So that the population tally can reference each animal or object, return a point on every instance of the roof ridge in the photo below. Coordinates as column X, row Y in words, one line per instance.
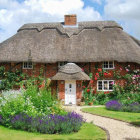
column 67, row 31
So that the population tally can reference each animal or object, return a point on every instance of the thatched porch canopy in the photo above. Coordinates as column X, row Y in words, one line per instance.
column 70, row 71
column 94, row 41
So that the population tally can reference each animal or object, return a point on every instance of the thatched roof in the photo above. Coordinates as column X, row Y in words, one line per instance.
column 70, row 71
column 87, row 42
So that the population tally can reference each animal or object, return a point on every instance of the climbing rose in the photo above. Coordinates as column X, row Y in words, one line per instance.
column 84, row 87
column 106, row 92
column 105, row 74
column 91, row 81
column 99, row 70
column 97, row 74
column 88, row 90
column 109, row 74
column 121, row 69
column 95, row 78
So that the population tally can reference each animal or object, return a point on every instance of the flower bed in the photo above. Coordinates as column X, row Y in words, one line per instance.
column 50, row 124
column 34, row 109
column 115, row 105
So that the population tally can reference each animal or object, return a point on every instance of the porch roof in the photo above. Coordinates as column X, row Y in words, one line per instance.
column 70, row 71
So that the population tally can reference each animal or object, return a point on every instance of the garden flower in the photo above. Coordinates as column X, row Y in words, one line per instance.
column 109, row 74
column 97, row 74
column 121, row 69
column 95, row 78
column 112, row 83
column 106, row 92
column 91, row 81
column 127, row 70
column 99, row 70
column 88, row 90
column 105, row 74
column 84, row 87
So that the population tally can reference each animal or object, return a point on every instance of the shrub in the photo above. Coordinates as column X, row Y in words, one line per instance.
column 113, row 105
column 32, row 101
column 49, row 124
column 10, row 79
column 133, row 107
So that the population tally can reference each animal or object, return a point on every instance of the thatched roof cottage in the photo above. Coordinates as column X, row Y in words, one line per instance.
column 79, row 45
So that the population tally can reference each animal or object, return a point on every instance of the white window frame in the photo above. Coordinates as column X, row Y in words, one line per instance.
column 60, row 64
column 103, row 85
column 27, row 67
column 108, row 65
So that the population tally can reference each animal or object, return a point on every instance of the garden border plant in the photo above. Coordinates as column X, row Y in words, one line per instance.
column 129, row 93
column 34, row 109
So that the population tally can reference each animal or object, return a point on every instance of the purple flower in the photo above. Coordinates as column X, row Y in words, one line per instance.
column 113, row 105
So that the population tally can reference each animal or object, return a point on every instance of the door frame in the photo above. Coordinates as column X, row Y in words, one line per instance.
column 72, row 82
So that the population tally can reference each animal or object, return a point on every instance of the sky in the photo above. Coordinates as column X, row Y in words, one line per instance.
column 15, row 13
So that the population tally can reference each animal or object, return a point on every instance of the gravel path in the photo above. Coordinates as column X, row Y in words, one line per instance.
column 118, row 130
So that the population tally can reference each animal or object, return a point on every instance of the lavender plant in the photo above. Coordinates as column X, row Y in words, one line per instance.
column 113, row 105
column 49, row 124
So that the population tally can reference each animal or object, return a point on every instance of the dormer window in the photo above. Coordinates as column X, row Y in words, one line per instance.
column 108, row 65
column 60, row 64
column 27, row 65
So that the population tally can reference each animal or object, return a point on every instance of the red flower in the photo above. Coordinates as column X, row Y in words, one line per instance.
column 99, row 70
column 109, row 74
column 106, row 92
column 95, row 78
column 91, row 81
column 97, row 74
column 84, row 87
column 40, row 86
column 105, row 74
column 88, row 90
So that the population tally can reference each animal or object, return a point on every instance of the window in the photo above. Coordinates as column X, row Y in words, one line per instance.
column 27, row 65
column 108, row 65
column 70, row 86
column 105, row 85
column 61, row 64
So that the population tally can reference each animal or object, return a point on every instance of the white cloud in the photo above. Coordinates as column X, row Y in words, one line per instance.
column 14, row 14
column 126, row 11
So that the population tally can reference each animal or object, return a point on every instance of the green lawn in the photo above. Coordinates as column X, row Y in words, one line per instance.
column 133, row 118
column 88, row 131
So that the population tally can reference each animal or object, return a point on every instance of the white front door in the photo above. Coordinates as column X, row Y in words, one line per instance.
column 70, row 92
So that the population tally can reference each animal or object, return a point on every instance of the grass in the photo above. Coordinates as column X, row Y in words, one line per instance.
column 87, row 131
column 133, row 118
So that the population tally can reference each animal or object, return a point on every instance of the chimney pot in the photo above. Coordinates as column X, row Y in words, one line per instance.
column 70, row 19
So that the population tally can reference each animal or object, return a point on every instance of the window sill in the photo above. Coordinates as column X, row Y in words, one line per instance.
column 104, row 90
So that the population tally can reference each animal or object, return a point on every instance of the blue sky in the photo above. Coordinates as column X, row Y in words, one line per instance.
column 15, row 13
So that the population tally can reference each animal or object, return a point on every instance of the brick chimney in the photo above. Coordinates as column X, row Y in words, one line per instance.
column 70, row 20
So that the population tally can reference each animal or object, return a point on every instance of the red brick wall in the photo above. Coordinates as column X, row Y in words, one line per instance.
column 117, row 65
column 50, row 70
